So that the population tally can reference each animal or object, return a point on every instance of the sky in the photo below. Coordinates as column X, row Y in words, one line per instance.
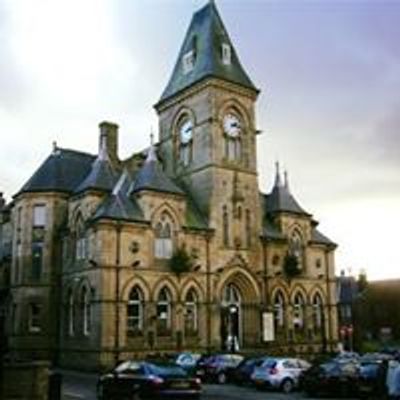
column 329, row 108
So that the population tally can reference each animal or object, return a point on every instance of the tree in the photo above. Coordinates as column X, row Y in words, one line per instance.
column 180, row 261
column 291, row 266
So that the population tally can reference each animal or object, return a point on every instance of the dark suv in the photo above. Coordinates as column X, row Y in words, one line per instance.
column 217, row 367
column 147, row 380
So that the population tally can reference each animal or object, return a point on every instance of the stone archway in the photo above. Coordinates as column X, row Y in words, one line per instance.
column 240, row 312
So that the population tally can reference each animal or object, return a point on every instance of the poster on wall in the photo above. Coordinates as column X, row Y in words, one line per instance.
column 268, row 326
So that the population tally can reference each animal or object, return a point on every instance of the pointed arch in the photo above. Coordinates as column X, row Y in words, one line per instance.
column 279, row 306
column 244, row 281
column 135, row 280
column 192, row 283
column 168, row 209
column 299, row 307
column 85, row 314
column 164, row 310
column 235, row 105
column 191, row 311
column 170, row 284
column 164, row 225
column 284, row 288
column 317, row 289
column 298, row 288
column 135, row 311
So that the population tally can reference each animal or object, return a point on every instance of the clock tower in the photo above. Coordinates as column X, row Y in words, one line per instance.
column 208, row 131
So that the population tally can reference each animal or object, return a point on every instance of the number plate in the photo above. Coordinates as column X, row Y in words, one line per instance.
column 180, row 385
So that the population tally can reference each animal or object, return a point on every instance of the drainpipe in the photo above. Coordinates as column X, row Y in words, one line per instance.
column 208, row 292
column 117, row 291
column 328, row 295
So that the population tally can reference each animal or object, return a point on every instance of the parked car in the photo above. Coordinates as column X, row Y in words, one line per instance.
column 279, row 373
column 187, row 361
column 148, row 380
column 242, row 373
column 218, row 367
column 372, row 375
column 331, row 378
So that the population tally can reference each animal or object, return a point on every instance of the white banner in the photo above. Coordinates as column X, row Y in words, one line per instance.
column 268, row 326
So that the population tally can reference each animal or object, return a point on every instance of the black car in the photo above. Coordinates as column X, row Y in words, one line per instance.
column 331, row 378
column 132, row 380
column 372, row 375
column 218, row 367
column 242, row 373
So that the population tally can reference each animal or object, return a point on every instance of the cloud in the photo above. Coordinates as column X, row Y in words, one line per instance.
column 13, row 85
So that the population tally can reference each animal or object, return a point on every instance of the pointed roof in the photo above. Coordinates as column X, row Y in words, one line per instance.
column 205, row 37
column 62, row 171
column 119, row 205
column 320, row 238
column 280, row 199
column 152, row 177
column 102, row 175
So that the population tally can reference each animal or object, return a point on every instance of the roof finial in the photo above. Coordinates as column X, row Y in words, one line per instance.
column 151, row 136
column 151, row 155
column 54, row 147
column 277, row 174
column 286, row 180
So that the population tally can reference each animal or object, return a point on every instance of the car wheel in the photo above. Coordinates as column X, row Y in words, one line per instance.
column 221, row 378
column 287, row 385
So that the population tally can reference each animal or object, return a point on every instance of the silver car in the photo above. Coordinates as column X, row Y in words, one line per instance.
column 279, row 373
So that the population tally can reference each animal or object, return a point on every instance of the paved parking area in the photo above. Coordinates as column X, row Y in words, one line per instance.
column 81, row 386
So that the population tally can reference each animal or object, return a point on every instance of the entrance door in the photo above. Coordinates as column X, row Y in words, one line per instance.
column 231, row 319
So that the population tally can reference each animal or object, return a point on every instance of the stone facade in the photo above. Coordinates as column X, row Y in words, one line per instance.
column 97, row 240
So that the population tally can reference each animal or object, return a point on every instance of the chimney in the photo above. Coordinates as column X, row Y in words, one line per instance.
column 109, row 139
column 2, row 201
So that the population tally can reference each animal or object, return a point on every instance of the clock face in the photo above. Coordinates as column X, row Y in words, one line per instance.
column 185, row 131
column 231, row 125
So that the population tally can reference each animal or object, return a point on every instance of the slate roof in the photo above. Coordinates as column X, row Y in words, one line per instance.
column 281, row 200
column 119, row 205
column 62, row 171
column 318, row 237
column 205, row 36
column 101, row 177
column 152, row 177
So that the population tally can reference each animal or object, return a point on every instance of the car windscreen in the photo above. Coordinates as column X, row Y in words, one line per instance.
column 269, row 363
column 167, row 370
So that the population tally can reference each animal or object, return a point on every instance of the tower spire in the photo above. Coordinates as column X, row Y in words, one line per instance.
column 151, row 155
column 286, row 180
column 277, row 175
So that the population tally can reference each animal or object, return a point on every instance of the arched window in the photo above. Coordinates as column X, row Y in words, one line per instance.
column 232, row 136
column 163, row 237
column 279, row 310
column 185, row 131
column 164, row 312
column 298, row 312
column 225, row 226
column 231, row 295
column 296, row 247
column 86, row 314
column 70, row 313
column 317, row 312
column 134, row 312
column 80, row 239
column 191, row 313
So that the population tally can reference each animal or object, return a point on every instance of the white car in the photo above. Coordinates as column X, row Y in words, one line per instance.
column 279, row 373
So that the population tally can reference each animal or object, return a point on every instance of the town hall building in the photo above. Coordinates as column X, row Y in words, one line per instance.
column 174, row 248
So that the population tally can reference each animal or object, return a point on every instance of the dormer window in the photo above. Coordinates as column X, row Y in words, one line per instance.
column 188, row 61
column 226, row 54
